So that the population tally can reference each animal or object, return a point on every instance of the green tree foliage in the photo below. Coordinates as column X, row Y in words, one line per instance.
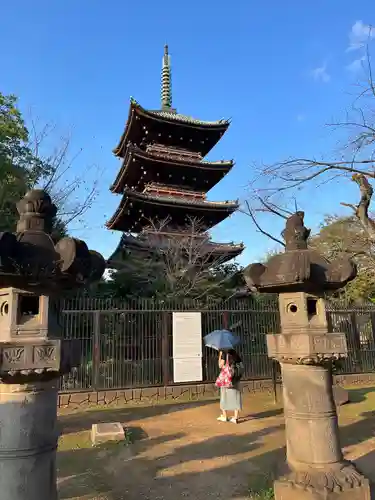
column 175, row 263
column 149, row 277
column 346, row 235
column 20, row 168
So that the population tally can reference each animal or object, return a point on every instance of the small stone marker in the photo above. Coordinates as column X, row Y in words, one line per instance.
column 104, row 432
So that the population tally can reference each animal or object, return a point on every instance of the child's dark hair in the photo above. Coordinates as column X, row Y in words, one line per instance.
column 233, row 357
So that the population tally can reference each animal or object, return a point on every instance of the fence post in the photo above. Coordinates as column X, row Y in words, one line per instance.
column 274, row 381
column 96, row 351
column 226, row 320
column 355, row 341
column 165, row 348
column 372, row 317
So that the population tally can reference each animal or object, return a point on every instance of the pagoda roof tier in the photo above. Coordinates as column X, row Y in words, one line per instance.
column 137, row 210
column 210, row 250
column 170, row 128
column 141, row 167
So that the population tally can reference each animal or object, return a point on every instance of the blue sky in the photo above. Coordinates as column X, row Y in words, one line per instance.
column 279, row 70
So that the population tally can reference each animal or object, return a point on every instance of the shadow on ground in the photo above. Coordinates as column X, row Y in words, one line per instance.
column 77, row 422
column 360, row 394
column 125, row 470
column 83, row 471
column 169, row 466
column 276, row 412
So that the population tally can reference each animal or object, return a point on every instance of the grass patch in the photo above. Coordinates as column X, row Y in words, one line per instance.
column 361, row 404
column 75, row 441
column 261, row 487
column 82, row 441
column 83, row 469
column 263, row 495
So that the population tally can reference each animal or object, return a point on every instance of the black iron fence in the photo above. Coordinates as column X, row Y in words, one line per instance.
column 129, row 344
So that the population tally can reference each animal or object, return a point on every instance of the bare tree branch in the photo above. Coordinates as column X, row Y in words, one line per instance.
column 250, row 213
column 356, row 162
column 185, row 258
column 361, row 210
column 274, row 209
column 60, row 179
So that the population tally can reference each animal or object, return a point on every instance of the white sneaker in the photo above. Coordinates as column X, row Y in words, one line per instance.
column 222, row 419
column 234, row 420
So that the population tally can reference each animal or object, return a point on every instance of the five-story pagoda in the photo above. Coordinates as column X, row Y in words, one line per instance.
column 164, row 177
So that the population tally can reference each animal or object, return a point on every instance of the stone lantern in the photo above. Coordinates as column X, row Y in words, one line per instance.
column 33, row 272
column 305, row 350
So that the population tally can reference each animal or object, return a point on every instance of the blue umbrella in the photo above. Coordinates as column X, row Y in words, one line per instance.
column 221, row 340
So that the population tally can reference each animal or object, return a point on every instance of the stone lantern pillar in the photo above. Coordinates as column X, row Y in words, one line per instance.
column 33, row 354
column 305, row 350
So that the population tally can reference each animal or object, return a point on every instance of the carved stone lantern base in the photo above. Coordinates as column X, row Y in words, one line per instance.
column 289, row 491
column 305, row 351
column 318, row 468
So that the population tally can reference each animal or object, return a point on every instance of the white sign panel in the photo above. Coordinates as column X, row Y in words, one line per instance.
column 187, row 347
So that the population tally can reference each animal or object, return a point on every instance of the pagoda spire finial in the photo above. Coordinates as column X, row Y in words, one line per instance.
column 166, row 81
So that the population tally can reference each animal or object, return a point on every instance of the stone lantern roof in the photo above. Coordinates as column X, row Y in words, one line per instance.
column 30, row 260
column 299, row 269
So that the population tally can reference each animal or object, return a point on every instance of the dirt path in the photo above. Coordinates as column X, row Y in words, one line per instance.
column 181, row 451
